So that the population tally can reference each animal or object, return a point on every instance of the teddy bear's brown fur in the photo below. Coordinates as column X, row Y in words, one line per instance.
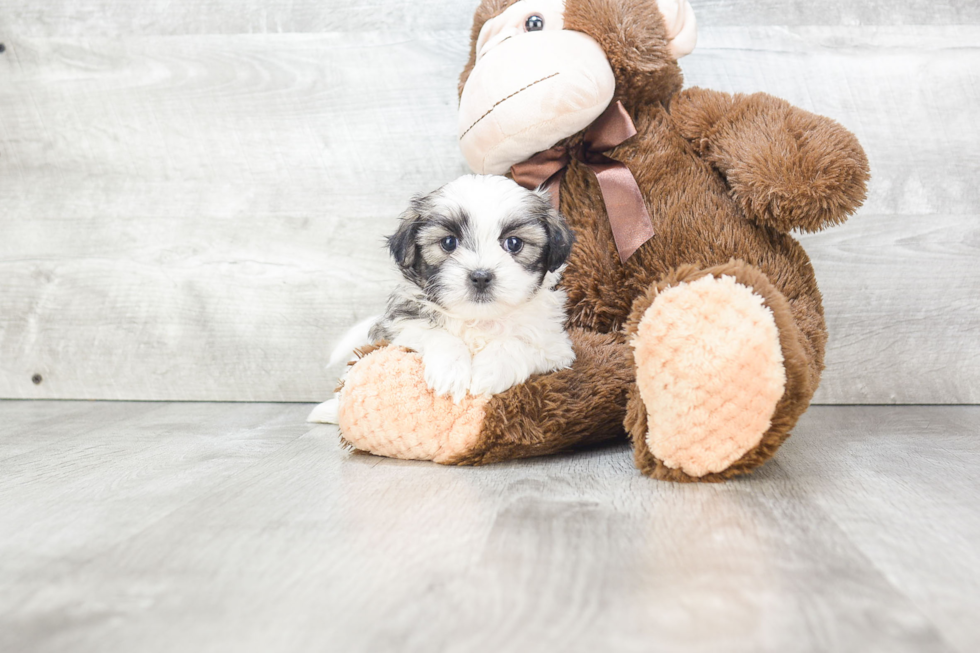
column 725, row 177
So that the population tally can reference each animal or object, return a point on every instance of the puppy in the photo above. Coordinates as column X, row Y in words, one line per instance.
column 480, row 258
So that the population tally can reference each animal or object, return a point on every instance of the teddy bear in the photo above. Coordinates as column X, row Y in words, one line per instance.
column 694, row 315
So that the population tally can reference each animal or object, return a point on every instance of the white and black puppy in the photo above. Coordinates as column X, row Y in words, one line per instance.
column 481, row 259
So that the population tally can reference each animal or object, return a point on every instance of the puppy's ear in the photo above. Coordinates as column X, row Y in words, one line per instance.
column 402, row 244
column 560, row 239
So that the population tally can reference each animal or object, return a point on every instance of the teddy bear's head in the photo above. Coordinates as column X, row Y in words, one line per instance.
column 542, row 70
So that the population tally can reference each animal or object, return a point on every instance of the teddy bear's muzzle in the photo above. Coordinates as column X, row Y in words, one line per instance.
column 528, row 93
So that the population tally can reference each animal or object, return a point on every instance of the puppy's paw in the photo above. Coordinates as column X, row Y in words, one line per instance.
column 448, row 371
column 560, row 357
column 326, row 413
column 492, row 374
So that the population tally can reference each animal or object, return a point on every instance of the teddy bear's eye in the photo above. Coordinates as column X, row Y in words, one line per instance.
column 449, row 243
column 534, row 23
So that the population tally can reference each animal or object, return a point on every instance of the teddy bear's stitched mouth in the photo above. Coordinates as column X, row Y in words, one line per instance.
column 499, row 102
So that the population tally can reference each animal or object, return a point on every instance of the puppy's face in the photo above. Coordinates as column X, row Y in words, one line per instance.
column 480, row 245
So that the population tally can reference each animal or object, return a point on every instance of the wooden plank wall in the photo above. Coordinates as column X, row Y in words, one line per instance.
column 193, row 194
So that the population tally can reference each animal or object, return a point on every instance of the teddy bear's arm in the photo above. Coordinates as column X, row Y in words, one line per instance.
column 786, row 167
column 387, row 409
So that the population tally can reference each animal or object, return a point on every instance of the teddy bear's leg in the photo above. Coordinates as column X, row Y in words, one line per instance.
column 722, row 373
column 386, row 408
column 561, row 410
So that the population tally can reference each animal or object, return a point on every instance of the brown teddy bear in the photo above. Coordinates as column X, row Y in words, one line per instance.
column 695, row 316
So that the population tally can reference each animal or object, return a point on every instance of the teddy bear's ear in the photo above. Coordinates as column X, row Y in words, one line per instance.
column 682, row 28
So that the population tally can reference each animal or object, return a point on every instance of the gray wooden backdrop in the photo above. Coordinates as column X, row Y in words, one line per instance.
column 193, row 194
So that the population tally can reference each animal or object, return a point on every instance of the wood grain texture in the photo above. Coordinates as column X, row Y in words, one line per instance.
column 902, row 301
column 201, row 217
column 916, row 468
column 213, row 527
column 86, row 18
column 203, row 225
column 31, row 425
column 109, row 471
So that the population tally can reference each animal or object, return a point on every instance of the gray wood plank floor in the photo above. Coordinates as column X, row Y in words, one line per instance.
column 215, row 527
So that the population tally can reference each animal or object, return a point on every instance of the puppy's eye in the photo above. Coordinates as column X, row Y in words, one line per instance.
column 513, row 245
column 449, row 243
column 534, row 23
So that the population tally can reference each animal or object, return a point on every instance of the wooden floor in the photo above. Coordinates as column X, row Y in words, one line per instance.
column 237, row 527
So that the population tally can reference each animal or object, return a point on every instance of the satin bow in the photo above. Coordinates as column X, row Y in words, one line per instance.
column 628, row 216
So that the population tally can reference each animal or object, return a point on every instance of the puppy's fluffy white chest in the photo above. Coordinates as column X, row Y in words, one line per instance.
column 535, row 323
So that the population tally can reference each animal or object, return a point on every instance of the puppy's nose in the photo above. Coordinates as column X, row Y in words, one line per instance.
column 481, row 279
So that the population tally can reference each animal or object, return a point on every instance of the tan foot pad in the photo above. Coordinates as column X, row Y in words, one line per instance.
column 710, row 373
column 386, row 409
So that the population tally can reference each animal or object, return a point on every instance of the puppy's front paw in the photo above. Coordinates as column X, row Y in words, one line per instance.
column 326, row 413
column 492, row 374
column 447, row 371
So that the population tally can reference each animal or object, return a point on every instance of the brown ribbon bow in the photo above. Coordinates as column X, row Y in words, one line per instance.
column 628, row 217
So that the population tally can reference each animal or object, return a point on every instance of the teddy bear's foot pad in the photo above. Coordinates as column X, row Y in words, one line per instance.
column 710, row 373
column 387, row 409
